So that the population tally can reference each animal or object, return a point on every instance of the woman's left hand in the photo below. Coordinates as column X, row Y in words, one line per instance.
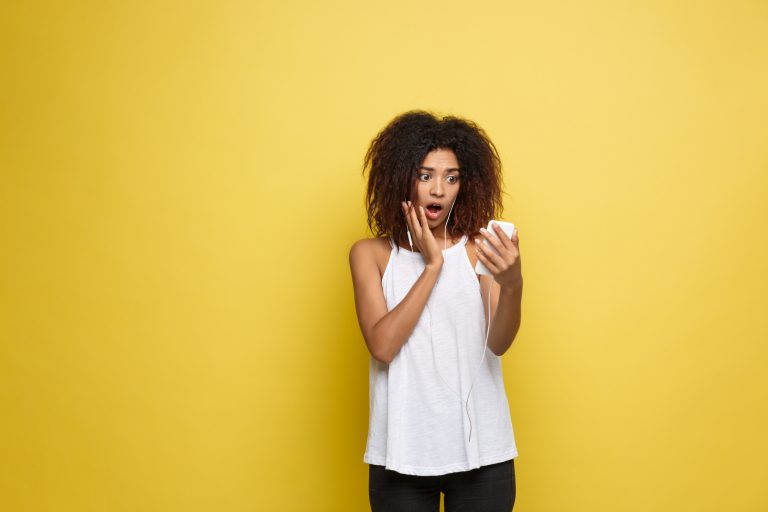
column 504, row 262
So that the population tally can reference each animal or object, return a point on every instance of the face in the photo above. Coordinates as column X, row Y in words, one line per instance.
column 436, row 185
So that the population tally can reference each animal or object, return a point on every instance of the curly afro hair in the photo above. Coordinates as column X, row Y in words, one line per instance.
column 399, row 149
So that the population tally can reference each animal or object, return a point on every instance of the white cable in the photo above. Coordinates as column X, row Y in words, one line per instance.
column 487, row 331
column 485, row 349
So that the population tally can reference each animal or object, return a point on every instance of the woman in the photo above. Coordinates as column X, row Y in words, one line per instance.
column 439, row 416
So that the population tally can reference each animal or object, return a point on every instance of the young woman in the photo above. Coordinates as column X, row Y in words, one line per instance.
column 439, row 417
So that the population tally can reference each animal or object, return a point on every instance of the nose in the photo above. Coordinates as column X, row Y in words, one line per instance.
column 437, row 188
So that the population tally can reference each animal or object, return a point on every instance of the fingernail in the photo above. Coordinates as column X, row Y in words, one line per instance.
column 483, row 230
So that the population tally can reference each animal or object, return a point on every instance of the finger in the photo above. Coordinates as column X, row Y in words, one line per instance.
column 423, row 221
column 415, row 226
column 506, row 249
column 494, row 241
column 505, row 240
column 491, row 254
column 484, row 259
column 508, row 243
column 515, row 238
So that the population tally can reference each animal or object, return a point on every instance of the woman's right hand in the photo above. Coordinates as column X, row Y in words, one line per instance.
column 422, row 236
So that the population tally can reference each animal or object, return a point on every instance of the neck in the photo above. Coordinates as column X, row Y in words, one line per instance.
column 443, row 239
column 439, row 236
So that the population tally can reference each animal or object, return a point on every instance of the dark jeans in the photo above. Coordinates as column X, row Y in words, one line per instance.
column 488, row 488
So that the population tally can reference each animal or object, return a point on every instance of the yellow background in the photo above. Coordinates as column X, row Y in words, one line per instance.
column 180, row 186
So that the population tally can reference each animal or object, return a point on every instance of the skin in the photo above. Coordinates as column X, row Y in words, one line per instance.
column 385, row 331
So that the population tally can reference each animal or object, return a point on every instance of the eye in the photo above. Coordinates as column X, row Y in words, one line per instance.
column 452, row 179
column 423, row 177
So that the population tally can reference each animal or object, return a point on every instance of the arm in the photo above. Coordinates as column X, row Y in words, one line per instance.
column 505, row 313
column 386, row 332
column 507, row 288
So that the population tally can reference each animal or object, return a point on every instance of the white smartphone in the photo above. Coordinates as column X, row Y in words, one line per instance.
column 508, row 228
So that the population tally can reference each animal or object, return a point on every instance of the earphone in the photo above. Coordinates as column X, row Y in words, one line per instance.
column 487, row 332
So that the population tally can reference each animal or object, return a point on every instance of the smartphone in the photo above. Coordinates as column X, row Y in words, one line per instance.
column 508, row 228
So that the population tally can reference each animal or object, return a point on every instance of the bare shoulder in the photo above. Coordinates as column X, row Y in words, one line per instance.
column 370, row 251
column 368, row 247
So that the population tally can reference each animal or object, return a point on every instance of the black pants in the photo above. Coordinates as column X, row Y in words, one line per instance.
column 485, row 489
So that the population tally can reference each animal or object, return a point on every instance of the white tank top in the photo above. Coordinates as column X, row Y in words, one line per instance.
column 418, row 422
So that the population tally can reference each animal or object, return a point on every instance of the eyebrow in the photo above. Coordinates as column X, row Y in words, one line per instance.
column 432, row 169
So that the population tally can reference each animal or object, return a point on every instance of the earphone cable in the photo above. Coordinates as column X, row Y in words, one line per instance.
column 487, row 332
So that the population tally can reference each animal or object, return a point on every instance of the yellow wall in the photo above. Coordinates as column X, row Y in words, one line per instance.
column 180, row 185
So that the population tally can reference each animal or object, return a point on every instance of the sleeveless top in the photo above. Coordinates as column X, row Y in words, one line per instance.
column 419, row 420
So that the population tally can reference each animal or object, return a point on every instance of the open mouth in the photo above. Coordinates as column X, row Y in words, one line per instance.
column 433, row 211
